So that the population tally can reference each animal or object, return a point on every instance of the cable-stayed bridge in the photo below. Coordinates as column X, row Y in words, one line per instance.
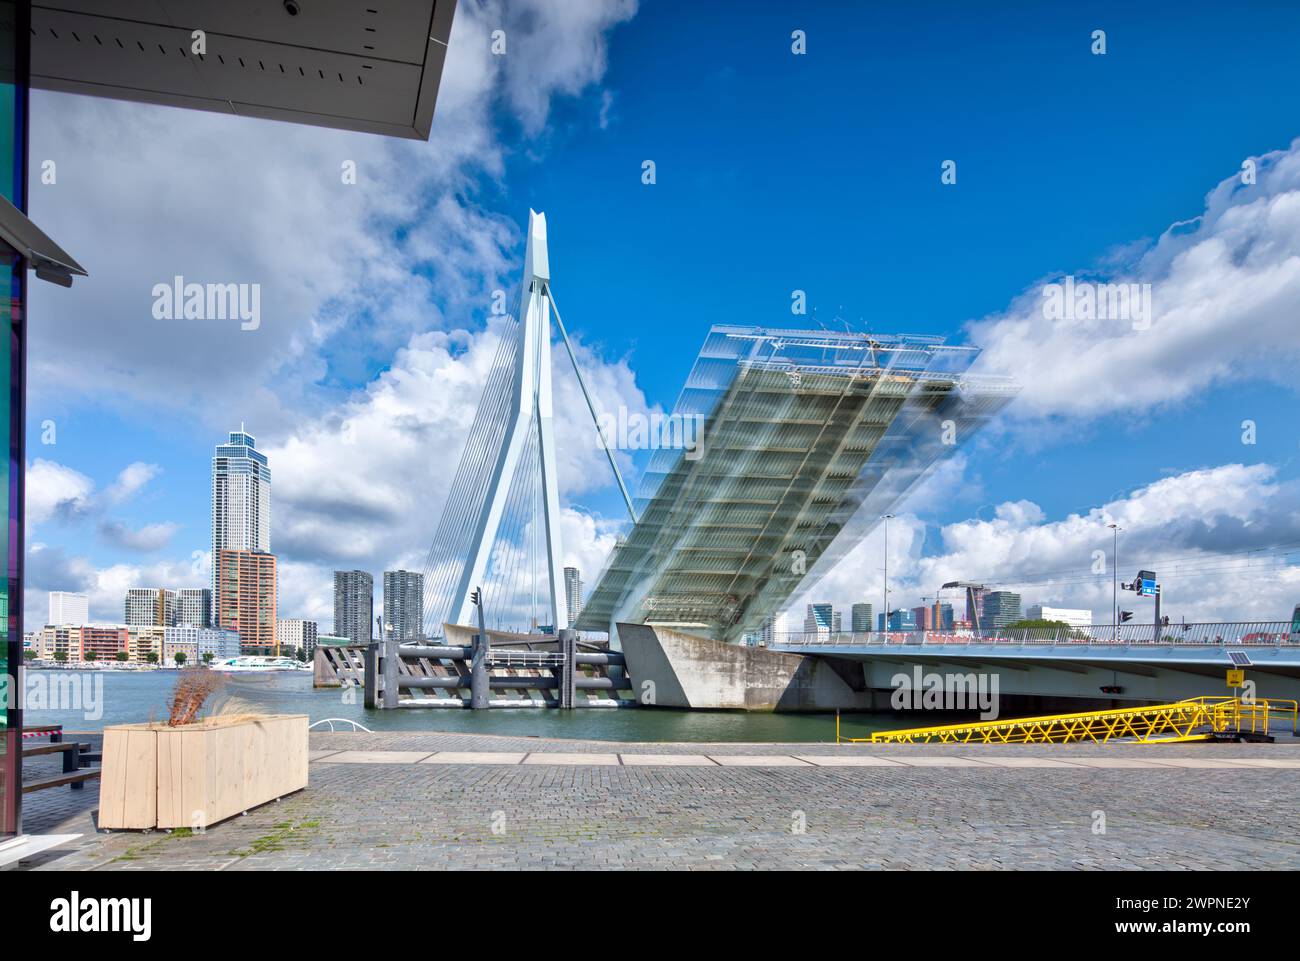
column 500, row 528
column 806, row 438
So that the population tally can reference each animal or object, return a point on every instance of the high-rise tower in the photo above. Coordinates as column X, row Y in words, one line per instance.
column 573, row 592
column 241, row 499
column 403, row 605
column 354, row 598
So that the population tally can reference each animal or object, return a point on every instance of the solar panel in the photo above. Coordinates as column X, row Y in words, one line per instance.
column 1239, row 658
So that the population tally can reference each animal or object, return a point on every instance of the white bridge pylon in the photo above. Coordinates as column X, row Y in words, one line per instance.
column 533, row 410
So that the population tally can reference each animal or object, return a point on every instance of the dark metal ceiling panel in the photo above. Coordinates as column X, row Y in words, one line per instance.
column 369, row 65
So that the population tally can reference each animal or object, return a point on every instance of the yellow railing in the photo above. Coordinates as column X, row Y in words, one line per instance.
column 1194, row 719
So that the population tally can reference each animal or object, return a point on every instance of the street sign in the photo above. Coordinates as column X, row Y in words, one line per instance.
column 1236, row 678
column 1145, row 583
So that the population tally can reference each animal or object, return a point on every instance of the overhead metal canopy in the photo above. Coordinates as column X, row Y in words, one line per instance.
column 809, row 436
column 50, row 261
column 367, row 65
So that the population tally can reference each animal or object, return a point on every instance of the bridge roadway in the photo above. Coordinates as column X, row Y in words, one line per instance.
column 1143, row 670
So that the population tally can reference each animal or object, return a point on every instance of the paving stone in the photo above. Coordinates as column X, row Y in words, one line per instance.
column 759, row 760
column 375, row 757
column 562, row 758
column 473, row 757
column 667, row 760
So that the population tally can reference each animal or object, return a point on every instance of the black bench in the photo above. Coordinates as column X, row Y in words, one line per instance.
column 75, row 757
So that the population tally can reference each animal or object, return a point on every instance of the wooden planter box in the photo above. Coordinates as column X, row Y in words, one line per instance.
column 196, row 775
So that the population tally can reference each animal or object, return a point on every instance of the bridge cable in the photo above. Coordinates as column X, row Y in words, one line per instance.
column 604, row 443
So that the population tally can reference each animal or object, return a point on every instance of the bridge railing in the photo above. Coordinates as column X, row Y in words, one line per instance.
column 1239, row 633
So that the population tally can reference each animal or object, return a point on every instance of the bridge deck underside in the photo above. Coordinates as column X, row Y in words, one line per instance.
column 789, row 457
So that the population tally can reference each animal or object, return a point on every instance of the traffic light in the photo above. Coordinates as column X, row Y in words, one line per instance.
column 1125, row 616
column 1111, row 689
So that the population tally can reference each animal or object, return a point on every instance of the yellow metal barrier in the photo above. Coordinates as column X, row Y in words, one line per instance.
column 1191, row 720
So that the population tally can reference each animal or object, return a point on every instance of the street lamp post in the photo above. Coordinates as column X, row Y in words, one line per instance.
column 1114, row 581
column 887, row 518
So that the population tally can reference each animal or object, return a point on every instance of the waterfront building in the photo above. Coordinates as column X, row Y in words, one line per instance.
column 294, row 634
column 573, row 594
column 144, row 640
column 354, row 605
column 819, row 619
column 150, row 606
column 1000, row 609
column 194, row 606
column 246, row 597
column 198, row 641
column 219, row 642
column 56, row 639
column 923, row 618
column 943, row 619
column 103, row 641
column 241, row 501
column 180, row 644
column 774, row 630
column 902, row 620
column 403, row 605
column 67, row 607
column 860, row 618
column 1075, row 617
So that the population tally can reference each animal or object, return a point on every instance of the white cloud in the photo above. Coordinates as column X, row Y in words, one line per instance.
column 393, row 273
column 1200, row 524
column 1223, row 292
column 130, row 481
column 52, row 569
column 60, row 493
column 348, row 273
column 55, row 490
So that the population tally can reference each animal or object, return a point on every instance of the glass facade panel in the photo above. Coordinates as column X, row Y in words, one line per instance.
column 15, row 33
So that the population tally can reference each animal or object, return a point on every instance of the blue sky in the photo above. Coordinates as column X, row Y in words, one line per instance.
column 775, row 172
column 821, row 172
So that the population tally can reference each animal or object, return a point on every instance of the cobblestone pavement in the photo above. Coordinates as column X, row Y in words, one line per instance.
column 713, row 816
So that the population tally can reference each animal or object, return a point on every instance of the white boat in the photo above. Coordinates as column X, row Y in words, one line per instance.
column 245, row 663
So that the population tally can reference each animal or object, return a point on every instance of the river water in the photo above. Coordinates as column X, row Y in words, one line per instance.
column 86, row 700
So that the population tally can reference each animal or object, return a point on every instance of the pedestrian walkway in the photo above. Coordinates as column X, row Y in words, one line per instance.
column 436, row 801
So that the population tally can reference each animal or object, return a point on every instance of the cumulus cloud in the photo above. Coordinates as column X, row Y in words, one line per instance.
column 393, row 274
column 56, row 492
column 365, row 487
column 1210, row 534
column 1223, row 291
column 54, row 569
column 347, row 273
